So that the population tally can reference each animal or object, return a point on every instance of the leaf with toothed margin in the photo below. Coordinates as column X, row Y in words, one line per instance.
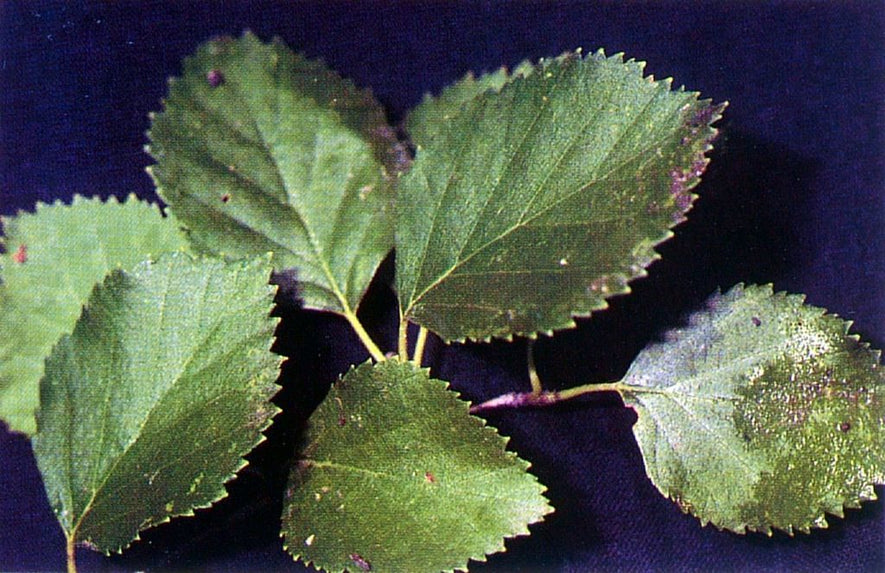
column 427, row 119
column 762, row 413
column 397, row 476
column 534, row 204
column 260, row 150
column 148, row 407
column 53, row 259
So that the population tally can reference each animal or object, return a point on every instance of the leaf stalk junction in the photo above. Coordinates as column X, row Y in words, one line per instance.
column 364, row 337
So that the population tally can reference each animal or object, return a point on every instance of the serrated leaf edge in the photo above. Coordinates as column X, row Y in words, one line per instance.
column 500, row 544
column 714, row 114
column 799, row 300
column 222, row 491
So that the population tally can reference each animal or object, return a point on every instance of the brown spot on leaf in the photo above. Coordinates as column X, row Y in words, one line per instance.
column 844, row 427
column 225, row 198
column 756, row 321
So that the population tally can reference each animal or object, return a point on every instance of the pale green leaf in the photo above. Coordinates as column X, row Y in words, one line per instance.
column 396, row 475
column 260, row 150
column 149, row 405
column 53, row 259
column 535, row 204
column 762, row 413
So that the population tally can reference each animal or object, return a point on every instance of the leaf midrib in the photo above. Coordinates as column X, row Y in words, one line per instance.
column 148, row 414
column 525, row 222
column 263, row 142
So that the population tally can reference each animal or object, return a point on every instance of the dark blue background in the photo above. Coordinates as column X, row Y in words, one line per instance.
column 794, row 196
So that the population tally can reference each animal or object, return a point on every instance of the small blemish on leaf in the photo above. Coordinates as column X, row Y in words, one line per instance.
column 756, row 321
column 21, row 255
column 360, row 562
column 563, row 262
column 600, row 285
column 309, row 540
column 429, row 477
column 844, row 427
column 215, row 78
column 225, row 198
column 342, row 419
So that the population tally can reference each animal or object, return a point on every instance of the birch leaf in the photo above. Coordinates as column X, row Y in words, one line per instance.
column 762, row 413
column 260, row 150
column 397, row 476
column 149, row 405
column 434, row 112
column 536, row 203
column 53, row 259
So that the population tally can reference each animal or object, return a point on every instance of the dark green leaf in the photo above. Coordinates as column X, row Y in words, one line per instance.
column 53, row 259
column 149, row 405
column 260, row 150
column 762, row 413
column 396, row 475
column 534, row 204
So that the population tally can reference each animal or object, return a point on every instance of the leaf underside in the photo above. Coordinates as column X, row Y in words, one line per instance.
column 149, row 405
column 260, row 150
column 762, row 413
column 543, row 195
column 53, row 259
column 397, row 476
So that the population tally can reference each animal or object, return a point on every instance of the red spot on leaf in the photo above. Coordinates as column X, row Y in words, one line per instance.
column 429, row 477
column 21, row 255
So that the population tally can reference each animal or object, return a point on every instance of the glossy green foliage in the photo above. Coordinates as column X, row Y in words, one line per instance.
column 530, row 205
column 762, row 413
column 147, row 408
column 397, row 476
column 53, row 258
column 260, row 150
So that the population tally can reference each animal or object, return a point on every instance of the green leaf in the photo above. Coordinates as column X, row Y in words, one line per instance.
column 149, row 405
column 762, row 413
column 260, row 150
column 537, row 203
column 430, row 117
column 397, row 476
column 53, row 259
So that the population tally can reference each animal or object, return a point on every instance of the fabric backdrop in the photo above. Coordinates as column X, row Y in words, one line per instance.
column 794, row 197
